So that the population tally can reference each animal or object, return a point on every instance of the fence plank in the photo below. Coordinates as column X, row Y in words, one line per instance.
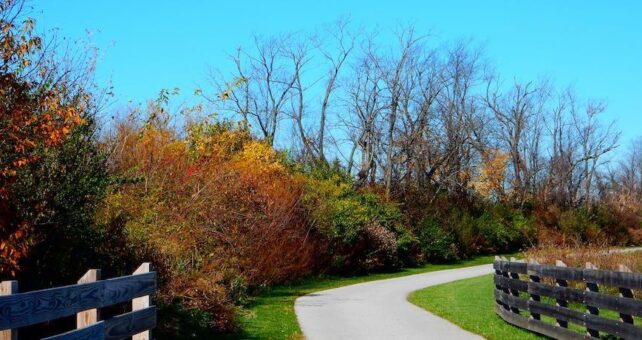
column 508, row 266
column 8, row 288
column 142, row 302
column 619, row 304
column 507, row 283
column 91, row 316
column 94, row 331
column 565, row 293
column 560, row 313
column 24, row 309
column 564, row 273
column 591, row 286
column 129, row 324
column 617, row 328
column 510, row 300
column 537, row 325
column 613, row 278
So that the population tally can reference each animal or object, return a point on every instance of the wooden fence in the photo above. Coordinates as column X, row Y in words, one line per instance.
column 520, row 287
column 83, row 299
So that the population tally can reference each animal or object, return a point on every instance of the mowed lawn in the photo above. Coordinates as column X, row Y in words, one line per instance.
column 470, row 304
column 271, row 314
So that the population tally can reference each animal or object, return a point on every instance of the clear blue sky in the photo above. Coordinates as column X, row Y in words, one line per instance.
column 596, row 46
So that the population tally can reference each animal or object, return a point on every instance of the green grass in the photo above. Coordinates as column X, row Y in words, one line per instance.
column 271, row 314
column 470, row 304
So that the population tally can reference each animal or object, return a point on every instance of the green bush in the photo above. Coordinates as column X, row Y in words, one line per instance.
column 436, row 244
column 58, row 197
column 503, row 229
column 579, row 225
column 364, row 231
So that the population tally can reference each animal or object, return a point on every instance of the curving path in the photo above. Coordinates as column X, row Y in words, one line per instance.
column 380, row 309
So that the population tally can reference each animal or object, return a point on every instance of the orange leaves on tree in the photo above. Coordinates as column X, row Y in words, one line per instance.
column 490, row 181
column 37, row 113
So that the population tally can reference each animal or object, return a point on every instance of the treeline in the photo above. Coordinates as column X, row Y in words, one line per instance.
column 380, row 160
column 428, row 122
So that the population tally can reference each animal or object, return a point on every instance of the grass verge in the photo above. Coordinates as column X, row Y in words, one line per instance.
column 470, row 304
column 271, row 314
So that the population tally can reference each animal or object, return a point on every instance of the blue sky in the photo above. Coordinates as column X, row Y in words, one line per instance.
column 595, row 46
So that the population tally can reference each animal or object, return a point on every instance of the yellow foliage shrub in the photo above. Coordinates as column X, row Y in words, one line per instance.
column 216, row 206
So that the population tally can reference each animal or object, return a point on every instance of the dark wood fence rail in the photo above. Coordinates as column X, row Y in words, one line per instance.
column 515, row 277
column 83, row 299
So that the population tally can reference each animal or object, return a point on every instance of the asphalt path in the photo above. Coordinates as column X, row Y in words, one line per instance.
column 380, row 309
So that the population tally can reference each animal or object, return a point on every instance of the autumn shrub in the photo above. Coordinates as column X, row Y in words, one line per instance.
column 216, row 206
column 577, row 255
column 57, row 196
column 52, row 172
column 599, row 224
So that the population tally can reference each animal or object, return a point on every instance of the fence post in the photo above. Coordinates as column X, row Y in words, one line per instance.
column 498, row 287
column 142, row 302
column 8, row 288
column 514, row 292
column 592, row 287
column 535, row 279
column 560, row 302
column 625, row 293
column 90, row 316
column 505, row 274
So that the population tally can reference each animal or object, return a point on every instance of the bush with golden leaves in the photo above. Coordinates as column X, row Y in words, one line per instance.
column 218, row 207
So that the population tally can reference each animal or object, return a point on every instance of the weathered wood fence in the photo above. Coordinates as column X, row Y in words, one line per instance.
column 520, row 287
column 83, row 299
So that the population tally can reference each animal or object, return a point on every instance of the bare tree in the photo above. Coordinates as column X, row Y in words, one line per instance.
column 262, row 85
column 517, row 114
column 365, row 103
column 393, row 70
column 344, row 43
column 579, row 146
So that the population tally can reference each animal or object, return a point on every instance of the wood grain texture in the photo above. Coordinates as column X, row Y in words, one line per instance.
column 142, row 302
column 91, row 316
column 95, row 331
column 8, row 288
column 24, row 309
column 129, row 324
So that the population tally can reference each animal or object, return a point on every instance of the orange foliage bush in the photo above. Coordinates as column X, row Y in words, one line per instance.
column 218, row 207
column 39, row 109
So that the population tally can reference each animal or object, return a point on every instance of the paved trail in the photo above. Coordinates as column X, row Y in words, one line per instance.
column 380, row 309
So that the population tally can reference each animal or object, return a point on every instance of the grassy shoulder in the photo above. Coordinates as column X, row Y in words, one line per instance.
column 470, row 304
column 271, row 314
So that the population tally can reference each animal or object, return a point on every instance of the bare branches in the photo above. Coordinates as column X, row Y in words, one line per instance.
column 418, row 116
